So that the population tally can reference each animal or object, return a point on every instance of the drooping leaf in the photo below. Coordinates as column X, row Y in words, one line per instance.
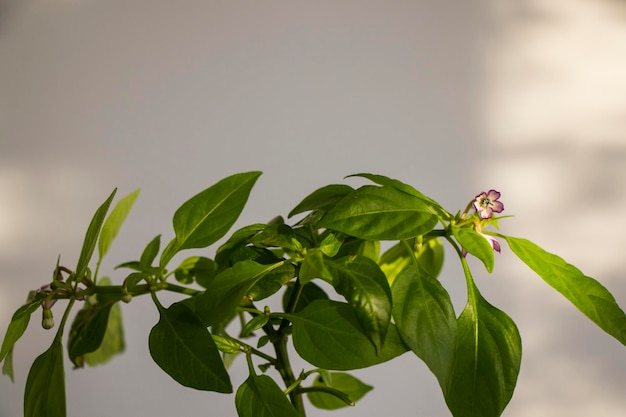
column 91, row 237
column 380, row 213
column 587, row 294
column 17, row 326
column 15, row 330
column 476, row 244
column 206, row 217
column 327, row 335
column 183, row 347
column 44, row 395
column 322, row 199
column 227, row 291
column 260, row 396
column 352, row 387
column 113, row 342
column 113, row 223
column 487, row 361
column 365, row 287
column 424, row 316
column 87, row 331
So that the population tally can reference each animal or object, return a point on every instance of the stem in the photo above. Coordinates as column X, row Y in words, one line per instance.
column 283, row 366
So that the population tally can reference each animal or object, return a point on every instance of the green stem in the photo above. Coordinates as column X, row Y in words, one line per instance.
column 283, row 366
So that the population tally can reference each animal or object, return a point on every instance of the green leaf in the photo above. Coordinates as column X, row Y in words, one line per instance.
column 424, row 316
column 206, row 217
column 227, row 291
column 113, row 223
column 399, row 185
column 17, row 327
column 476, row 244
column 44, row 395
column 487, row 361
column 313, row 266
column 183, row 347
column 196, row 268
column 365, row 288
column 260, row 396
column 226, row 344
column 91, row 237
column 310, row 292
column 353, row 388
column 587, row 294
column 87, row 331
column 322, row 199
column 7, row 366
column 428, row 252
column 113, row 342
column 271, row 282
column 254, row 324
column 327, row 335
column 149, row 253
column 380, row 213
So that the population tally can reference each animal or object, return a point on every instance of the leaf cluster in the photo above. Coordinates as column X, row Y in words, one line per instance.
column 345, row 305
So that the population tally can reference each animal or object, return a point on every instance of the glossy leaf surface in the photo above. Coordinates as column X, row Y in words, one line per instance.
column 206, row 217
column 227, row 291
column 365, row 287
column 183, row 347
column 476, row 244
column 424, row 316
column 380, row 213
column 327, row 334
column 44, row 395
column 487, row 361
column 322, row 199
column 587, row 294
column 260, row 396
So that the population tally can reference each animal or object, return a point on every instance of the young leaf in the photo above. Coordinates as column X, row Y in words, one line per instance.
column 327, row 335
column 206, row 217
column 149, row 253
column 91, row 237
column 113, row 223
column 365, row 287
column 587, row 294
column 487, row 361
column 322, row 199
column 259, row 396
column 44, row 395
column 350, row 386
column 425, row 319
column 476, row 244
column 183, row 347
column 227, row 291
column 380, row 213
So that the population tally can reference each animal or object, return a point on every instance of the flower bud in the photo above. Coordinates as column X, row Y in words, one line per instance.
column 47, row 322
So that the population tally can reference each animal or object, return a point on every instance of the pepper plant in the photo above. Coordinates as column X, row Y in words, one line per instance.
column 345, row 305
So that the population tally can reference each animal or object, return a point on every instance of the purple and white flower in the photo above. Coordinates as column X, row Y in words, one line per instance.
column 487, row 203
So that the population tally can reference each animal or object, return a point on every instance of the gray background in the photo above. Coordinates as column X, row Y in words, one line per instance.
column 452, row 97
